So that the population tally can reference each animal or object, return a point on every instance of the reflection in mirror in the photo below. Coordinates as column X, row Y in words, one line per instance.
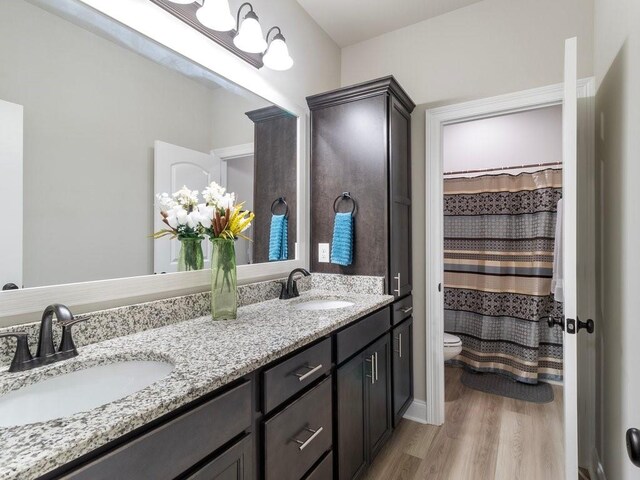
column 92, row 130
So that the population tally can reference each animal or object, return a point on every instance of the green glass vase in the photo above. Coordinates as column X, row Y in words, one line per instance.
column 190, row 256
column 224, row 280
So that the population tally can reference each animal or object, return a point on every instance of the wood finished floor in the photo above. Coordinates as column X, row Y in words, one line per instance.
column 484, row 437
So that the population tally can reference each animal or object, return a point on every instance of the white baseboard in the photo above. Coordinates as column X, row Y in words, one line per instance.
column 417, row 412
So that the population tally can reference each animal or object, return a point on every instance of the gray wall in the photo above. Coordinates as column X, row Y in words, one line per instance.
column 617, row 66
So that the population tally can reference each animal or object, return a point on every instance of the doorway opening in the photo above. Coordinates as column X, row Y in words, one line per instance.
column 438, row 396
column 502, row 190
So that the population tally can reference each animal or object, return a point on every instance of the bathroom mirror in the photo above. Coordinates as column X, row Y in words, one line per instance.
column 94, row 129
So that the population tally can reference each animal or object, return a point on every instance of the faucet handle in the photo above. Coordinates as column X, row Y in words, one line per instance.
column 23, row 354
column 66, row 342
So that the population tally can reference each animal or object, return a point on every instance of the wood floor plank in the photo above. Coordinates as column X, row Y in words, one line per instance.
column 484, row 437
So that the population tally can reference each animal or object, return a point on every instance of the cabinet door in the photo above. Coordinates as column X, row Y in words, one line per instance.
column 351, row 420
column 379, row 395
column 235, row 463
column 402, row 364
column 400, row 271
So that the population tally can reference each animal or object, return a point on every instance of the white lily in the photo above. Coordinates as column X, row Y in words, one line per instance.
column 206, row 215
column 165, row 202
column 227, row 201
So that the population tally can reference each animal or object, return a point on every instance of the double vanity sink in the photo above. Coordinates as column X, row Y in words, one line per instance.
column 54, row 414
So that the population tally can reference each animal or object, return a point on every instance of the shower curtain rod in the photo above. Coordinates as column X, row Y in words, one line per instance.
column 495, row 169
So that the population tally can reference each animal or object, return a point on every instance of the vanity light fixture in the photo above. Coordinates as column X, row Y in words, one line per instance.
column 249, row 37
column 241, row 35
column 216, row 15
column 277, row 55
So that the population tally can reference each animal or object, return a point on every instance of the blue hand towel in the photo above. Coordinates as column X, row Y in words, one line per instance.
column 278, row 238
column 342, row 245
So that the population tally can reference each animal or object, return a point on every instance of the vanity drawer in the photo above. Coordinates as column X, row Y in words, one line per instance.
column 292, row 375
column 354, row 338
column 402, row 309
column 324, row 470
column 174, row 447
column 235, row 463
column 299, row 435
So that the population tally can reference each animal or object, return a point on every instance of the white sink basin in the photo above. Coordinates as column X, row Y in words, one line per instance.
column 78, row 391
column 323, row 305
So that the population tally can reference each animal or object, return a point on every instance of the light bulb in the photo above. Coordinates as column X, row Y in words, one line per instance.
column 277, row 56
column 216, row 15
column 249, row 37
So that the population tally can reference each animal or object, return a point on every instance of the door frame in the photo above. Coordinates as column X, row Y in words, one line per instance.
column 225, row 154
column 436, row 120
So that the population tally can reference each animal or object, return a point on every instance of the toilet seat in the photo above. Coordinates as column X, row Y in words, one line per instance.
column 452, row 346
column 451, row 340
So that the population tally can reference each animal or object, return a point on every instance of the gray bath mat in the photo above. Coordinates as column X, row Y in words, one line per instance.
column 504, row 386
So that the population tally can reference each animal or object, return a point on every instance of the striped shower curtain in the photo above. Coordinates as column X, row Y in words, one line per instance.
column 498, row 254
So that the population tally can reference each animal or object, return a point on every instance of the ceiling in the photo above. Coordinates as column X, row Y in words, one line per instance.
column 352, row 21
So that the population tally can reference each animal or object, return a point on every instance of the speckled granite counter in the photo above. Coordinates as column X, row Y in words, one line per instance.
column 206, row 355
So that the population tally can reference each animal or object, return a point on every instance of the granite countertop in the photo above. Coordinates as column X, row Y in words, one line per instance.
column 206, row 355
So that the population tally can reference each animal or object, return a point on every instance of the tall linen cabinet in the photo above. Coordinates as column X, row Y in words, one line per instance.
column 360, row 144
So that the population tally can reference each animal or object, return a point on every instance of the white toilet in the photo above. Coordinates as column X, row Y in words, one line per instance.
column 452, row 346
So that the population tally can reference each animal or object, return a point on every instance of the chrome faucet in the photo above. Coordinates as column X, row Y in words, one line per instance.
column 46, row 353
column 290, row 287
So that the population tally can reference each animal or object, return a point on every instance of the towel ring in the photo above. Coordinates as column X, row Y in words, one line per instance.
column 277, row 202
column 345, row 195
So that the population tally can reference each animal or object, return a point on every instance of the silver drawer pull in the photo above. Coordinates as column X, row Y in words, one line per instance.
column 397, row 290
column 376, row 363
column 407, row 310
column 303, row 376
column 373, row 375
column 399, row 351
column 304, row 444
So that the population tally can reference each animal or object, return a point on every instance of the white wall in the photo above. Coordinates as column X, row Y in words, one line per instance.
column 317, row 57
column 524, row 138
column 231, row 126
column 617, row 67
column 485, row 49
column 489, row 48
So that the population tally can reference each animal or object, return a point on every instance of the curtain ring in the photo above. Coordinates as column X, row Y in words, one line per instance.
column 344, row 195
column 278, row 201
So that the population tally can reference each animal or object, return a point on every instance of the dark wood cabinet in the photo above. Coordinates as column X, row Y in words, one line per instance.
column 351, row 416
column 235, row 463
column 379, row 395
column 363, row 401
column 360, row 143
column 172, row 448
column 275, row 175
column 297, row 437
column 402, row 365
column 400, row 199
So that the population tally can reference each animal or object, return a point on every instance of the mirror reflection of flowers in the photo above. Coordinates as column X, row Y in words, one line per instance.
column 220, row 216
column 181, row 213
